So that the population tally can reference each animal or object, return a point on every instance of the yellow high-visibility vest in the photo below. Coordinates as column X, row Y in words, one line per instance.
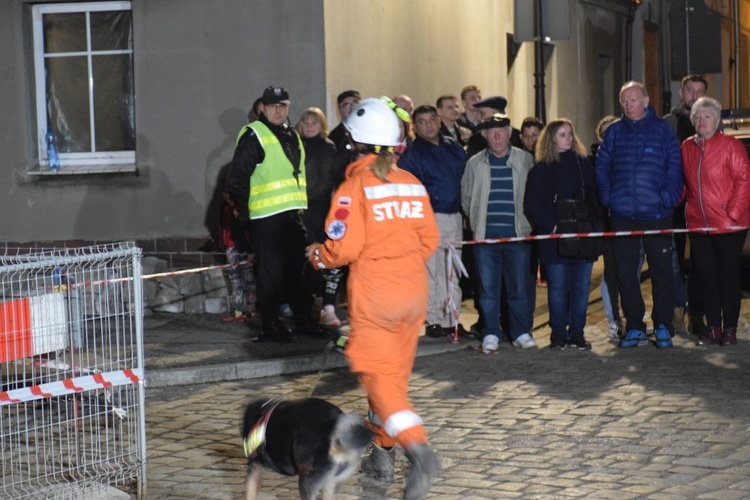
column 273, row 188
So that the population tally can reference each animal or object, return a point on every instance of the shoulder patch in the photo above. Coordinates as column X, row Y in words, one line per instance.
column 336, row 229
column 344, row 201
column 341, row 213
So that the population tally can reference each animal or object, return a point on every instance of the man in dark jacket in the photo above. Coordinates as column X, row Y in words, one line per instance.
column 692, row 88
column 346, row 101
column 639, row 177
column 438, row 162
column 447, row 109
column 267, row 184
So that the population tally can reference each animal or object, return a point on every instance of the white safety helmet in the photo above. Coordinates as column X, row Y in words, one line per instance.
column 373, row 122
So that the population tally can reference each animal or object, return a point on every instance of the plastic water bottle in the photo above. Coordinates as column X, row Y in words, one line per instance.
column 52, row 154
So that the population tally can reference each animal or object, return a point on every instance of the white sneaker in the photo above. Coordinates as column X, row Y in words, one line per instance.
column 328, row 317
column 524, row 341
column 490, row 343
column 614, row 331
column 285, row 311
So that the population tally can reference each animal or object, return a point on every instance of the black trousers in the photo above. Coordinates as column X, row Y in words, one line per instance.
column 610, row 277
column 658, row 249
column 279, row 245
column 717, row 259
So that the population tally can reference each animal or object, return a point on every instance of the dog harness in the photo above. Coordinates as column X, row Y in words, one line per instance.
column 257, row 436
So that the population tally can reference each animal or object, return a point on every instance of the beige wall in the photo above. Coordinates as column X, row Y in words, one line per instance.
column 431, row 47
column 423, row 49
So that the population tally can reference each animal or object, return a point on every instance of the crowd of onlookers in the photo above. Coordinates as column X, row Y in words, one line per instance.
column 486, row 180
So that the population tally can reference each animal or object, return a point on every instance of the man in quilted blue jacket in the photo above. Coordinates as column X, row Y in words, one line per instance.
column 639, row 177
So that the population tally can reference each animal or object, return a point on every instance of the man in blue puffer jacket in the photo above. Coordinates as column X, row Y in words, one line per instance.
column 639, row 177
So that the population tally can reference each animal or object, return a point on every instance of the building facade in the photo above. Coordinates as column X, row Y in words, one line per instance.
column 146, row 96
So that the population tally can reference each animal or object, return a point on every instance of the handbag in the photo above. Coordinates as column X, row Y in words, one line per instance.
column 581, row 214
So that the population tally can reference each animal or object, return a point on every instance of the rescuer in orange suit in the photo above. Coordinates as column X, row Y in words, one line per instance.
column 381, row 224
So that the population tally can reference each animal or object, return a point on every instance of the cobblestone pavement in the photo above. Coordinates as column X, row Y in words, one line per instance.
column 605, row 423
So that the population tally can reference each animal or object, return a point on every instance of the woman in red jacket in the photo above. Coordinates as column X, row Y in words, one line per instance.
column 717, row 186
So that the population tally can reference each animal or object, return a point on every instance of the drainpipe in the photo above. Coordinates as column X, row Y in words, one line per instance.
column 632, row 7
column 736, row 54
column 666, row 61
column 541, row 105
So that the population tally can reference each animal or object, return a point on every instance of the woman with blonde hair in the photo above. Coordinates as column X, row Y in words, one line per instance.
column 381, row 223
column 320, row 170
column 609, row 288
column 562, row 172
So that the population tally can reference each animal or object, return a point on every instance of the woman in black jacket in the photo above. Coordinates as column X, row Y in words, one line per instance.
column 562, row 172
column 321, row 172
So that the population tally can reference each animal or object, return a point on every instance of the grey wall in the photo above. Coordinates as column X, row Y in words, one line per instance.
column 198, row 67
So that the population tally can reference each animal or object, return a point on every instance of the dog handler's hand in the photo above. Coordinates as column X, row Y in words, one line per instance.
column 312, row 253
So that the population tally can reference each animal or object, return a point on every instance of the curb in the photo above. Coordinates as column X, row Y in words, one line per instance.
column 268, row 368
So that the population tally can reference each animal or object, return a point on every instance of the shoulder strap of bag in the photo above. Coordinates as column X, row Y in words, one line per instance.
column 551, row 175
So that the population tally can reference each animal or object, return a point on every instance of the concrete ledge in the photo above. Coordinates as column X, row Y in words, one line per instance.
column 267, row 368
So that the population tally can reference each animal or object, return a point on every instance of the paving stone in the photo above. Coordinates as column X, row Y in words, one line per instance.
column 626, row 424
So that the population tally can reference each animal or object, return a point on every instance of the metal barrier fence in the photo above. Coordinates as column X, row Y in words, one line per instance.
column 72, row 403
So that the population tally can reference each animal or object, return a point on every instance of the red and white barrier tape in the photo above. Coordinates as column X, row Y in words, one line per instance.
column 606, row 234
column 149, row 276
column 193, row 270
column 72, row 386
column 453, row 260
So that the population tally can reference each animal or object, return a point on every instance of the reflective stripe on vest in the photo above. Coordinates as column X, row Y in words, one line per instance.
column 273, row 188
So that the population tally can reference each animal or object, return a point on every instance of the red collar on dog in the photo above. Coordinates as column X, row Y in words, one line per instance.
column 257, row 436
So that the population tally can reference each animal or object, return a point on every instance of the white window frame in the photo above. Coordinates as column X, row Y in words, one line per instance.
column 74, row 163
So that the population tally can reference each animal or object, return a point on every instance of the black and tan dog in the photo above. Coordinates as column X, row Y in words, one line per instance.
column 310, row 437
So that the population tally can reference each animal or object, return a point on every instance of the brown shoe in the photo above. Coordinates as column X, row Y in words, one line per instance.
column 730, row 336
column 711, row 336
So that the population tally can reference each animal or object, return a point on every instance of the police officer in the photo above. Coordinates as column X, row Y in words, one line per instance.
column 266, row 181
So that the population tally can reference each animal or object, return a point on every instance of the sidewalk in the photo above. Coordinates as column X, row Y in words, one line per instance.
column 185, row 349
column 605, row 423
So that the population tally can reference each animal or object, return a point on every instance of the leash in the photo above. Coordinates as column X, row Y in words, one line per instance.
column 335, row 346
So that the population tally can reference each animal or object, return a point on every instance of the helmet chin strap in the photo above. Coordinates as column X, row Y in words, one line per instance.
column 383, row 149
column 371, row 148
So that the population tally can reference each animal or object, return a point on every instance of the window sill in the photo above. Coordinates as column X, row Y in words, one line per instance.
column 83, row 170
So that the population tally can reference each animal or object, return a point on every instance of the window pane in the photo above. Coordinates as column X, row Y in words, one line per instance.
column 68, row 103
column 114, row 114
column 64, row 32
column 111, row 30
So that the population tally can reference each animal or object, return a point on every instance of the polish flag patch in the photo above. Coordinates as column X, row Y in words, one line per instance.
column 344, row 201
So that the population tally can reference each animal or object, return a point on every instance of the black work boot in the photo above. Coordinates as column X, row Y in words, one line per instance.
column 425, row 466
column 379, row 464
column 275, row 331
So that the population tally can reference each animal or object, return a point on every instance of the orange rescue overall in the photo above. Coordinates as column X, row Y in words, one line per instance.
column 385, row 232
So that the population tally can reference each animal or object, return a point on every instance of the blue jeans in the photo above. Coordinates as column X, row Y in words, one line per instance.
column 568, row 297
column 504, row 266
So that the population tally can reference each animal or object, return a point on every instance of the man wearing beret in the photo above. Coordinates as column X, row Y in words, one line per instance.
column 488, row 107
column 267, row 184
column 492, row 192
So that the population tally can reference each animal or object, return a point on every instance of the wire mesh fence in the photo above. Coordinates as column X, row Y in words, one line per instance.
column 72, row 413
